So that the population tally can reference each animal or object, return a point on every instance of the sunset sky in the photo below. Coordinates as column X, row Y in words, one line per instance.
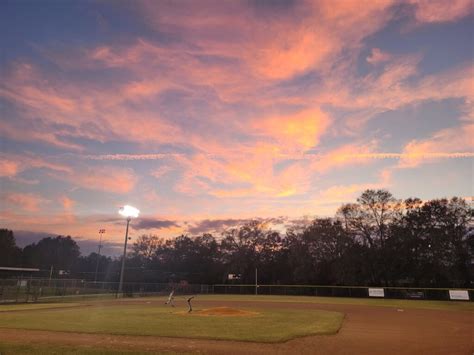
column 206, row 113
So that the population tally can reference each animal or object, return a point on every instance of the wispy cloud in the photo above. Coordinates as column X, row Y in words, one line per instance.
column 374, row 155
column 432, row 11
column 423, row 150
column 27, row 202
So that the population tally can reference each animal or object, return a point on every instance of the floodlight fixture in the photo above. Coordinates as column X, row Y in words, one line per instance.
column 128, row 211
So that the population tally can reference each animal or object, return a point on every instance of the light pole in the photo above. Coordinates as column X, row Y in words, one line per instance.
column 256, row 281
column 128, row 212
column 101, row 231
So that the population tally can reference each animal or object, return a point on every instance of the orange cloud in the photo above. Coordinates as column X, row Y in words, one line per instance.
column 9, row 168
column 297, row 131
column 343, row 156
column 302, row 39
column 68, row 206
column 82, row 110
column 445, row 143
column 13, row 164
column 245, row 173
column 293, row 52
column 67, row 203
column 104, row 178
column 109, row 179
column 344, row 193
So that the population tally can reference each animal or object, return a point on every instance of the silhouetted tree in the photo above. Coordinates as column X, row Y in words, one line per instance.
column 61, row 252
column 378, row 240
column 10, row 254
column 146, row 246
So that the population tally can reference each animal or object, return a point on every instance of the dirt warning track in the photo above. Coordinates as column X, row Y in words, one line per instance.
column 366, row 330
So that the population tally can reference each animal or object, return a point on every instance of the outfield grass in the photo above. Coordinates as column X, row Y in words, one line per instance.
column 379, row 302
column 269, row 325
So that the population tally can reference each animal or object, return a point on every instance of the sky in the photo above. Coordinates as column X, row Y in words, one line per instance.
column 204, row 114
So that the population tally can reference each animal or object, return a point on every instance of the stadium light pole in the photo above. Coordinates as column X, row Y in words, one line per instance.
column 128, row 212
column 101, row 231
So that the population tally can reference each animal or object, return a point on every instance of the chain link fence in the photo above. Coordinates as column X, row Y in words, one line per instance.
column 441, row 294
column 49, row 290
column 34, row 290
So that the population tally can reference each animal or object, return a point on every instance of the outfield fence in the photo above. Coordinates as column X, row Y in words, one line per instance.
column 54, row 290
column 342, row 291
column 34, row 290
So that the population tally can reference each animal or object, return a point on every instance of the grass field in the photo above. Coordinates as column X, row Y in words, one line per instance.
column 378, row 302
column 269, row 319
column 263, row 325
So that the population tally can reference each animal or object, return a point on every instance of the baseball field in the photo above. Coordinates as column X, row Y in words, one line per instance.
column 238, row 325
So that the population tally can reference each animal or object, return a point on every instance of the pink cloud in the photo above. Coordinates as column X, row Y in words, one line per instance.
column 378, row 56
column 13, row 164
column 431, row 11
column 392, row 90
column 343, row 157
column 301, row 130
column 104, row 178
column 226, row 61
column 9, row 168
column 81, row 110
column 26, row 201
column 340, row 194
column 161, row 171
column 68, row 204
column 446, row 143
column 270, row 48
column 108, row 179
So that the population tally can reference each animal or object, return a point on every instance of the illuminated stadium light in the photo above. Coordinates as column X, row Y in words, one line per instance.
column 128, row 211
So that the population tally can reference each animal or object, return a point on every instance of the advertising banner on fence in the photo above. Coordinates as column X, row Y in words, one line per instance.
column 462, row 295
column 376, row 292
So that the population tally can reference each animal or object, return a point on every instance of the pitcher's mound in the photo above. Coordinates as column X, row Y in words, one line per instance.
column 221, row 311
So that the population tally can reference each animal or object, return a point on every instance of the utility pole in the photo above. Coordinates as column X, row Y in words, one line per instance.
column 101, row 231
column 123, row 259
column 256, row 281
column 128, row 212
column 50, row 275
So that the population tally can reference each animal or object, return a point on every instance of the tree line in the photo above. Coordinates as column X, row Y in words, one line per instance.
column 378, row 240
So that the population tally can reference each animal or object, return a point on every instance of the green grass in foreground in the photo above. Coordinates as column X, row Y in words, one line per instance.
column 415, row 304
column 37, row 349
column 270, row 325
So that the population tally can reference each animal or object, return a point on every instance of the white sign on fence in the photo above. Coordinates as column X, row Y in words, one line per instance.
column 22, row 283
column 376, row 292
column 459, row 295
